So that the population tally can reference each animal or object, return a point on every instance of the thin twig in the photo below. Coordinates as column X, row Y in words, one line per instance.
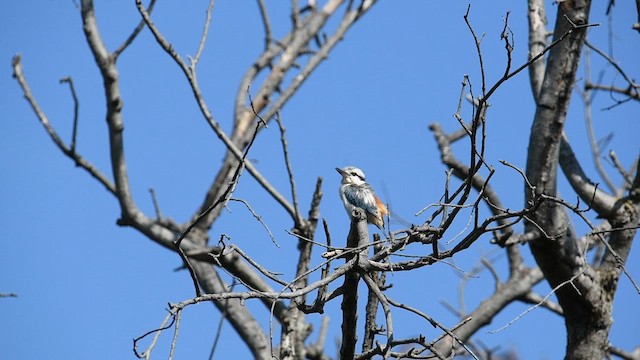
column 264, row 271
column 434, row 323
column 476, row 42
column 616, row 162
column 539, row 303
column 164, row 326
column 76, row 106
column 176, row 332
column 156, row 207
column 205, row 34
column 221, row 200
column 292, row 182
column 134, row 33
column 223, row 316
column 615, row 64
column 257, row 217
column 536, row 57
column 595, row 149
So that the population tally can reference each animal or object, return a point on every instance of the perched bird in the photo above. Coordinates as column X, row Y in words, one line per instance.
column 355, row 192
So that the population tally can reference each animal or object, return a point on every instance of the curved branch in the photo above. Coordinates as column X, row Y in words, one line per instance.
column 626, row 217
column 70, row 152
column 600, row 201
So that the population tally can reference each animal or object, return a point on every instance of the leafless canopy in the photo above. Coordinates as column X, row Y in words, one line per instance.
column 584, row 290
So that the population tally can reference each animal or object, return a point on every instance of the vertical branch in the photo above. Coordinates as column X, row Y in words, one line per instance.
column 76, row 105
column 476, row 42
column 587, row 99
column 292, row 182
column 294, row 330
column 110, row 75
column 295, row 13
column 156, row 206
column 205, row 34
column 371, row 310
column 537, row 17
column 358, row 236
column 266, row 23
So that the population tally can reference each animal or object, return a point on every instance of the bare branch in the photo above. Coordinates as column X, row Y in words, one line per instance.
column 224, row 198
column 601, row 202
column 238, row 315
column 215, row 126
column 630, row 92
column 384, row 302
column 635, row 355
column 176, row 331
column 322, row 54
column 292, row 182
column 538, row 300
column 106, row 63
column 267, row 24
column 205, row 34
column 371, row 310
column 636, row 26
column 134, row 33
column 295, row 14
column 164, row 326
column 156, row 207
column 476, row 42
column 76, row 105
column 537, row 44
column 631, row 82
column 616, row 162
column 569, row 281
column 258, row 218
column 358, row 236
column 18, row 74
column 218, row 331
column 559, row 258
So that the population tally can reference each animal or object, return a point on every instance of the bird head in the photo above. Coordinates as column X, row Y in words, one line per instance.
column 351, row 175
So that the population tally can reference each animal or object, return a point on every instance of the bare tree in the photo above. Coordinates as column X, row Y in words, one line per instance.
column 585, row 290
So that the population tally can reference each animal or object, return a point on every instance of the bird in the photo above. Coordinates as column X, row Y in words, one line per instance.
column 355, row 192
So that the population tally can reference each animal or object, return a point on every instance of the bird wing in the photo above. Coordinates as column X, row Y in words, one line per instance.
column 362, row 197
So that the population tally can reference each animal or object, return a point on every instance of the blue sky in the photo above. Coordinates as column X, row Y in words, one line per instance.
column 87, row 287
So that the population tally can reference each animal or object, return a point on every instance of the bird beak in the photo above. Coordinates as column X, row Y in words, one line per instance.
column 340, row 172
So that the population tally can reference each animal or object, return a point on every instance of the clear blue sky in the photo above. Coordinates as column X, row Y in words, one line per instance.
column 87, row 287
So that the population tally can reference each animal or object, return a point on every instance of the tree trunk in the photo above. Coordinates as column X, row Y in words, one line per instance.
column 587, row 307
